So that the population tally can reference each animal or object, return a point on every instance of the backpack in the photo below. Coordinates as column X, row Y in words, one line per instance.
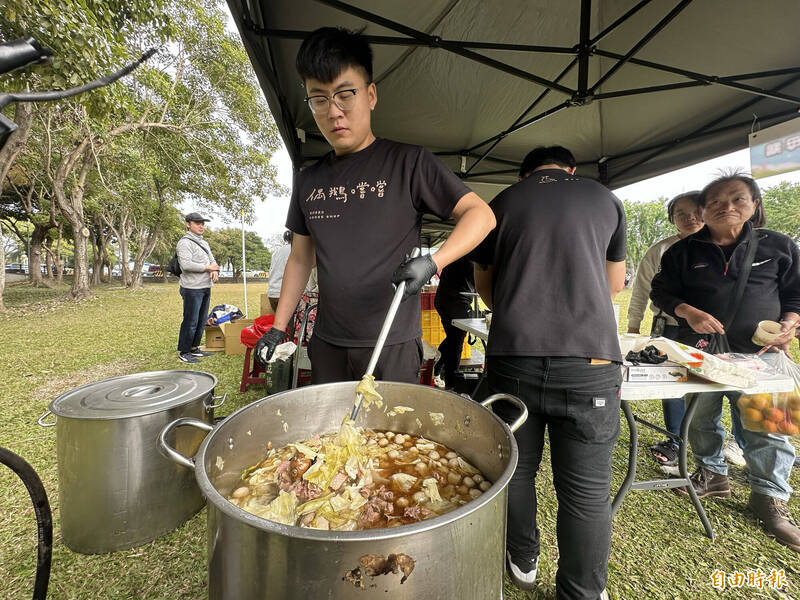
column 174, row 265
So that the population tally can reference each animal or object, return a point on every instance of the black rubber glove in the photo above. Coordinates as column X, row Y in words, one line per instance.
column 267, row 343
column 416, row 272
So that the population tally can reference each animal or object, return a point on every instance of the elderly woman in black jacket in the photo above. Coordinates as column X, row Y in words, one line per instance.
column 695, row 284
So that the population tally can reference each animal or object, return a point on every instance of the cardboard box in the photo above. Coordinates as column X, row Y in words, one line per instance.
column 666, row 371
column 266, row 307
column 233, row 332
column 215, row 339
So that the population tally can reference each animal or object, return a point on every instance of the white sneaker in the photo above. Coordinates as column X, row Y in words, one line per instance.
column 524, row 580
column 732, row 453
column 604, row 595
column 439, row 382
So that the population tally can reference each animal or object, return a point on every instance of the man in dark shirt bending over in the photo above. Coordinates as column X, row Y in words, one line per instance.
column 356, row 213
column 549, row 271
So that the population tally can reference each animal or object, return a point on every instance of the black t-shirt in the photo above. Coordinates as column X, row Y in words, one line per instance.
column 364, row 211
column 554, row 234
column 455, row 278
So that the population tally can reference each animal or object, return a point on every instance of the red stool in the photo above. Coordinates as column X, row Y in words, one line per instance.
column 250, row 374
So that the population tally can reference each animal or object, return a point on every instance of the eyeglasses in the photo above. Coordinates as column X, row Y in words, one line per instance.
column 344, row 99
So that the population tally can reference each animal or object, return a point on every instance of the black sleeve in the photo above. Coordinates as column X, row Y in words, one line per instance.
column 665, row 291
column 789, row 279
column 616, row 247
column 295, row 219
column 435, row 189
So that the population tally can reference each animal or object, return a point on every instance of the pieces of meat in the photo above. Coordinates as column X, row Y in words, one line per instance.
column 338, row 480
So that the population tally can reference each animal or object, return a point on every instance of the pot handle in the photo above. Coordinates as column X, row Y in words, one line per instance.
column 210, row 407
column 41, row 419
column 515, row 401
column 170, row 452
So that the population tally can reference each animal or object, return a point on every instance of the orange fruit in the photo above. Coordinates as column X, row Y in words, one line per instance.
column 793, row 399
column 743, row 402
column 794, row 416
column 787, row 427
column 769, row 426
column 751, row 415
column 761, row 401
column 773, row 414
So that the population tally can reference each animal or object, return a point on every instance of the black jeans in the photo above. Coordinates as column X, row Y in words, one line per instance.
column 579, row 404
column 195, row 313
column 452, row 344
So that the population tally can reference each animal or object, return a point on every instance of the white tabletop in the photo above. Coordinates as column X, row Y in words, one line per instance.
column 657, row 389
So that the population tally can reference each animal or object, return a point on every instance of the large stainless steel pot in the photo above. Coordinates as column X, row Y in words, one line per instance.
column 115, row 490
column 458, row 555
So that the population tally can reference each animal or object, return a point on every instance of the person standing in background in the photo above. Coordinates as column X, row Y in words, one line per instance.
column 199, row 271
column 450, row 303
column 276, row 267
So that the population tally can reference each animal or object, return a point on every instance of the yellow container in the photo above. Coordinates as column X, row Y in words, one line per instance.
column 466, row 350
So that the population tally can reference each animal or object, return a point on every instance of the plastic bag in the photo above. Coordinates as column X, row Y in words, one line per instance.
column 774, row 413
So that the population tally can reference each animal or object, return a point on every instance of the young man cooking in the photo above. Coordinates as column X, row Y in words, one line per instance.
column 356, row 213
column 550, row 271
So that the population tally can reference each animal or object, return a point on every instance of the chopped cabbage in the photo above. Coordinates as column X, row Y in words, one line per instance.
column 369, row 395
column 280, row 510
column 436, row 418
column 432, row 490
column 307, row 450
column 465, row 466
column 404, row 481
column 399, row 410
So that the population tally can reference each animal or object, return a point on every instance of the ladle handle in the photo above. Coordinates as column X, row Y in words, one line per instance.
column 387, row 325
column 520, row 421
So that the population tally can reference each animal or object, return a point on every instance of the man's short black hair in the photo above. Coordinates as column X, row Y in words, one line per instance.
column 546, row 155
column 328, row 51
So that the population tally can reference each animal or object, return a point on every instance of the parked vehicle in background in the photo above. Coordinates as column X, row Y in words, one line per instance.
column 151, row 270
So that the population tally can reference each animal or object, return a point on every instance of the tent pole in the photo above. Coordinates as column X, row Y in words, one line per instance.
column 455, row 48
column 619, row 22
column 641, row 43
column 583, row 47
column 244, row 268
column 694, row 135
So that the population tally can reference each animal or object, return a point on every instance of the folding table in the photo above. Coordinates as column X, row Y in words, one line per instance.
column 689, row 390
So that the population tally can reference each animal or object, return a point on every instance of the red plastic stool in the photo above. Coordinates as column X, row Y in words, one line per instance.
column 251, row 374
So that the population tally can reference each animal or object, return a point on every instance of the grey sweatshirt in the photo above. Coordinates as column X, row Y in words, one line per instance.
column 193, row 260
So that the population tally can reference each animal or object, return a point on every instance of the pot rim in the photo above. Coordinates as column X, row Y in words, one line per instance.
column 221, row 503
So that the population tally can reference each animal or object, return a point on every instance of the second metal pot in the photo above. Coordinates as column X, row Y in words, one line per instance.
column 115, row 490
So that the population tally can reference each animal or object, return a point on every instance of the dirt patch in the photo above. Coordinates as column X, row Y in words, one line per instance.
column 64, row 383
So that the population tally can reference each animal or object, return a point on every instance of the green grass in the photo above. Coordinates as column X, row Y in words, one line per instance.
column 50, row 346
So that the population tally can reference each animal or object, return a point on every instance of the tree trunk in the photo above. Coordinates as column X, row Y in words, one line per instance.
column 23, row 117
column 35, row 258
column 2, row 268
column 80, row 277
column 57, row 258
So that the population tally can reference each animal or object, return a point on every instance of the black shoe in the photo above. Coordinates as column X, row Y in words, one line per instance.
column 522, row 573
column 199, row 353
column 187, row 357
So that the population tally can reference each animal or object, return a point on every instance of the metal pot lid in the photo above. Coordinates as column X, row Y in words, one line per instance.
column 133, row 395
